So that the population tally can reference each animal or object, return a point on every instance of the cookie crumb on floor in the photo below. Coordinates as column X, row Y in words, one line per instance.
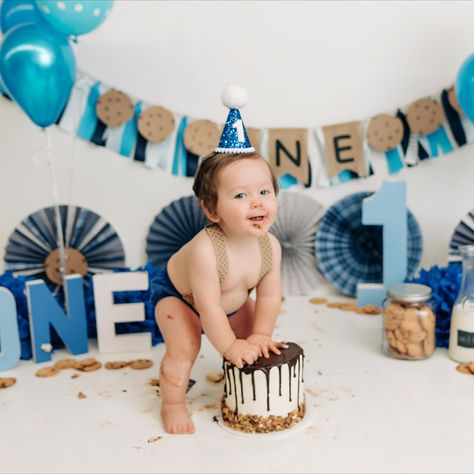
column 141, row 364
column 317, row 300
column 466, row 368
column 81, row 395
column 6, row 382
column 215, row 377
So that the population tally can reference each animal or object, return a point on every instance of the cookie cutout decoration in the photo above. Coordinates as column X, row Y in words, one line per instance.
column 384, row 132
column 453, row 100
column 156, row 123
column 75, row 263
column 201, row 137
column 114, row 108
column 425, row 116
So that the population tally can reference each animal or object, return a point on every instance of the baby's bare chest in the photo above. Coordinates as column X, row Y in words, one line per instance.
column 243, row 270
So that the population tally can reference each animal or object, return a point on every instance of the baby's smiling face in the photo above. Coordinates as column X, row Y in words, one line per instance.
column 246, row 202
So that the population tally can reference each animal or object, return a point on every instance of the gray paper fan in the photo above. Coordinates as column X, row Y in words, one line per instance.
column 173, row 227
column 463, row 235
column 295, row 228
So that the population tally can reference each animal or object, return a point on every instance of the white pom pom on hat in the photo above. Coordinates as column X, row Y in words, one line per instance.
column 235, row 97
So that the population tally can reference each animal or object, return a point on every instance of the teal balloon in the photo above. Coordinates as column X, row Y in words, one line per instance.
column 75, row 17
column 18, row 12
column 38, row 69
column 464, row 87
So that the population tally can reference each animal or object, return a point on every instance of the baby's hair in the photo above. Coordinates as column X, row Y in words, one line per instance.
column 205, row 182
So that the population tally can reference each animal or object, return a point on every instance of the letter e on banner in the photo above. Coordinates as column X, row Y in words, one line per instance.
column 344, row 149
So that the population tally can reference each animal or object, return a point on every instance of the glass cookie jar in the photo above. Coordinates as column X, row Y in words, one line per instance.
column 408, row 322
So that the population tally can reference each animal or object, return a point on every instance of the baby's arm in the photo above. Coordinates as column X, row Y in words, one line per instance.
column 204, row 282
column 267, row 305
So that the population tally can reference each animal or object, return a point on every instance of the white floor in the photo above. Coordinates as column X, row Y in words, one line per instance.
column 370, row 413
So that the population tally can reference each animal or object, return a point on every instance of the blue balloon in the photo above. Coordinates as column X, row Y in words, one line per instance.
column 38, row 69
column 75, row 17
column 464, row 87
column 18, row 12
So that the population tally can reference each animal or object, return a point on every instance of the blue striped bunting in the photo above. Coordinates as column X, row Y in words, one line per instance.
column 129, row 137
column 439, row 140
column 89, row 117
column 179, row 158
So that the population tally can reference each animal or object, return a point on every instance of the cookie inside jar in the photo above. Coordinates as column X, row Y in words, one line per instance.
column 409, row 322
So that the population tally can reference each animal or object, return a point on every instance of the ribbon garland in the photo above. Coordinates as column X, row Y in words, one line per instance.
column 313, row 157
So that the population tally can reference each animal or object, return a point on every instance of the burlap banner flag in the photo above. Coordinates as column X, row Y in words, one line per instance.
column 288, row 153
column 255, row 137
column 344, row 149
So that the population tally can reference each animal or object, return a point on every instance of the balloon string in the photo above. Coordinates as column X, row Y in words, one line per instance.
column 72, row 167
column 60, row 235
column 76, row 46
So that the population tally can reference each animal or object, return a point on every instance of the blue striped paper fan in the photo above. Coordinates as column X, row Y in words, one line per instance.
column 173, row 227
column 36, row 237
column 295, row 228
column 463, row 235
column 349, row 252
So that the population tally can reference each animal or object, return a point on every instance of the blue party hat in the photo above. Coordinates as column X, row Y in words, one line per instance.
column 234, row 138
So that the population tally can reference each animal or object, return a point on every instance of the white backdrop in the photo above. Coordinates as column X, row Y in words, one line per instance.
column 304, row 64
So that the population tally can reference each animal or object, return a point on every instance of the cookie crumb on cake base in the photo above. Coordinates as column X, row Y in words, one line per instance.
column 261, row 424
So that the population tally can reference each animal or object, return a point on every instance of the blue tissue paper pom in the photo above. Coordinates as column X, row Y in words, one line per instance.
column 445, row 283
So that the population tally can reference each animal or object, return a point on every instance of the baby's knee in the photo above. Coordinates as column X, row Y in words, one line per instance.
column 176, row 369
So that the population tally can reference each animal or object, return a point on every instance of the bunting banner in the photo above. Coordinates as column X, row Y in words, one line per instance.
column 311, row 157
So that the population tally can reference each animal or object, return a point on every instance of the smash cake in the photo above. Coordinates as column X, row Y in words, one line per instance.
column 267, row 395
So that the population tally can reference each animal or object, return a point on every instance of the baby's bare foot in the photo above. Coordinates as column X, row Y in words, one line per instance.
column 176, row 418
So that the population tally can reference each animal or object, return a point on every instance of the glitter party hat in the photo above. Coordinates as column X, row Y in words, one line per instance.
column 234, row 138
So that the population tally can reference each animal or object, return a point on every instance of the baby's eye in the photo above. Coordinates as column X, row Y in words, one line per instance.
column 264, row 192
column 240, row 196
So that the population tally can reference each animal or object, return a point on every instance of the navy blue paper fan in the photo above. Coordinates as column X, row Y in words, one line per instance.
column 463, row 235
column 83, row 230
column 173, row 227
column 349, row 252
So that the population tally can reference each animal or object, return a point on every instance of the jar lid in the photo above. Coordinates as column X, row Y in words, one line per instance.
column 409, row 292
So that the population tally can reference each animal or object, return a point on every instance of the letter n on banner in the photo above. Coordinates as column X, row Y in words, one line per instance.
column 288, row 153
column 344, row 149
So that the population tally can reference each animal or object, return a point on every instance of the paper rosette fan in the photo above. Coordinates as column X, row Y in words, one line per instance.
column 349, row 252
column 463, row 235
column 295, row 228
column 173, row 227
column 91, row 245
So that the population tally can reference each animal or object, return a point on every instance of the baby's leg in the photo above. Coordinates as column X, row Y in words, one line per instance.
column 242, row 321
column 181, row 331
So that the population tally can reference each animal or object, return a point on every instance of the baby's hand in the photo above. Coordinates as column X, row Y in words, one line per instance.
column 265, row 344
column 241, row 351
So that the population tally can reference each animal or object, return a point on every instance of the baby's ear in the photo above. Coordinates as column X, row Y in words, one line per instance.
column 213, row 217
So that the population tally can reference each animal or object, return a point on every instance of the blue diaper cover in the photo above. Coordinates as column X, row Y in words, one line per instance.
column 162, row 286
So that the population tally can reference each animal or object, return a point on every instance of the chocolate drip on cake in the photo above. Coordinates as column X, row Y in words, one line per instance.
column 279, row 380
column 292, row 357
column 253, row 386
column 260, row 405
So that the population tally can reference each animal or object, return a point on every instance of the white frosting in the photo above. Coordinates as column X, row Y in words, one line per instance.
column 292, row 394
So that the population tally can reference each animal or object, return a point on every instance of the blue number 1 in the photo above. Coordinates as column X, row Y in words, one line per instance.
column 388, row 208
